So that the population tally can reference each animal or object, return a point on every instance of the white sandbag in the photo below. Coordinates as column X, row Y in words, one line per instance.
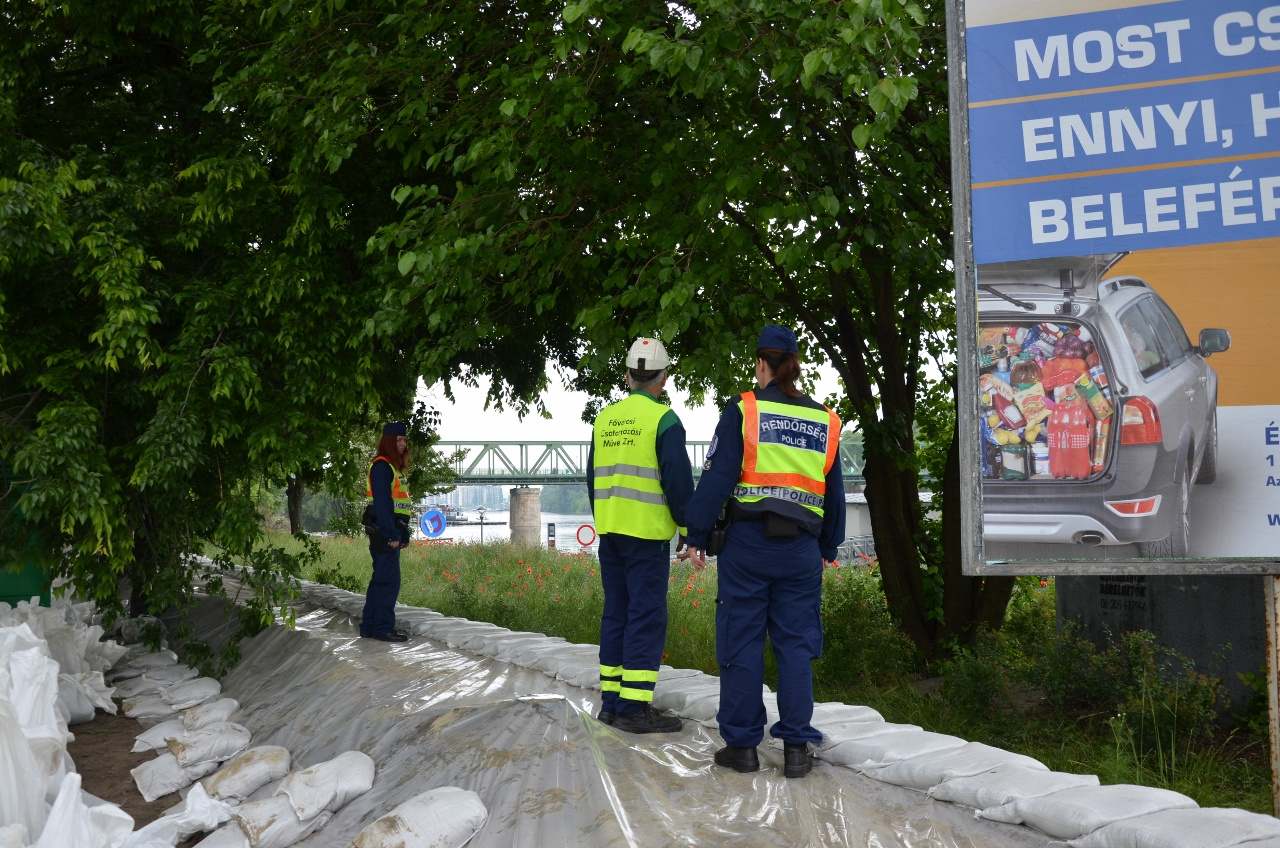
column 69, row 824
column 102, row 655
column 66, row 647
column 172, row 674
column 136, row 687
column 245, row 774
column 215, row 743
column 161, row 832
column 1072, row 813
column 198, row 813
column 889, row 748
column 584, row 676
column 442, row 818
column 113, row 823
column 122, row 672
column 154, row 738
column 530, row 655
column 704, row 709
column 1213, row 827
column 13, row 836
column 195, row 718
column 676, row 695
column 834, row 734
column 926, row 772
column 228, row 836
column 163, row 775
column 192, row 693
column 506, row 647
column 571, row 656
column 328, row 785
column 33, row 689
column 159, row 659
column 79, row 707
column 21, row 798
column 1006, row 783
column 273, row 823
column 95, row 688
column 148, row 706
column 832, row 712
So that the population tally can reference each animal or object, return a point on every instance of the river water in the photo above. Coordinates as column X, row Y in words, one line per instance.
column 566, row 529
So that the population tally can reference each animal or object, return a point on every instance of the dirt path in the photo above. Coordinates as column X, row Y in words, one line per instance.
column 103, row 755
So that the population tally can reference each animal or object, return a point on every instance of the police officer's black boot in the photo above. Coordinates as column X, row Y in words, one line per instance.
column 742, row 760
column 796, row 760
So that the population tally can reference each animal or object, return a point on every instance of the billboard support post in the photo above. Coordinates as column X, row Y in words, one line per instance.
column 1271, row 592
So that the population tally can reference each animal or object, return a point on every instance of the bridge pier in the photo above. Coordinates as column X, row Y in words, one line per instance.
column 526, row 516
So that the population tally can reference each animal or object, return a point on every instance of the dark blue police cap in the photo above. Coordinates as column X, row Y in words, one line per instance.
column 395, row 428
column 777, row 337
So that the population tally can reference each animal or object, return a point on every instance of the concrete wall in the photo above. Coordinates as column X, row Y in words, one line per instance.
column 1196, row 616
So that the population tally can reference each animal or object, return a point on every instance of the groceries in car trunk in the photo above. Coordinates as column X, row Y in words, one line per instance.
column 1046, row 402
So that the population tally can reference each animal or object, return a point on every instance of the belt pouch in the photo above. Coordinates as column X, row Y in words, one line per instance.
column 777, row 527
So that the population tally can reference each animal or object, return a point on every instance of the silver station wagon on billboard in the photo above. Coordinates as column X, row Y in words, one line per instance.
column 1098, row 413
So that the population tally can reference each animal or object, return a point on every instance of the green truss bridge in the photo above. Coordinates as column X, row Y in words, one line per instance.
column 546, row 463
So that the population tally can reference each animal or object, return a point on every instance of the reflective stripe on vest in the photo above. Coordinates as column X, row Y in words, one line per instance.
column 401, row 503
column 627, row 495
column 787, row 451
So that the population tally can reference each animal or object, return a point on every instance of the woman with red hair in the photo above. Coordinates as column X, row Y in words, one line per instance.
column 387, row 521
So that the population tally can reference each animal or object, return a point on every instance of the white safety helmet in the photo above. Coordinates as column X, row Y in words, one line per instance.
column 647, row 355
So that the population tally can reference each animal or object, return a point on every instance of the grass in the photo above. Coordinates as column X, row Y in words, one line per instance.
column 1135, row 713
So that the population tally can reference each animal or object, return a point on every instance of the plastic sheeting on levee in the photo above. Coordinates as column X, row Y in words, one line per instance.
column 549, row 774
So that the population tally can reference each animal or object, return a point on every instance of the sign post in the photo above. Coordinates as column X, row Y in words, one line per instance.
column 551, row 535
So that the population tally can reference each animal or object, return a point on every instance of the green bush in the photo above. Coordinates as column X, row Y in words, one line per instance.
column 861, row 643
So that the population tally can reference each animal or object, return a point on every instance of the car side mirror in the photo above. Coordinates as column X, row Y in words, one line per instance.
column 1213, row 340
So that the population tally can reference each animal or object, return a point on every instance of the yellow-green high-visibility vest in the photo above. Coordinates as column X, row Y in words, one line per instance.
column 400, row 500
column 627, row 496
column 787, row 451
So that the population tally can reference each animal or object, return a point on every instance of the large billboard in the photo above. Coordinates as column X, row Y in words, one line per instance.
column 1118, row 273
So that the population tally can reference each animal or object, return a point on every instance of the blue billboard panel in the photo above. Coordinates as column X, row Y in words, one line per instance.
column 1153, row 125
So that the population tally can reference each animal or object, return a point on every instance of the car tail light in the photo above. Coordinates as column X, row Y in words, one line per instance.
column 1141, row 425
column 1131, row 509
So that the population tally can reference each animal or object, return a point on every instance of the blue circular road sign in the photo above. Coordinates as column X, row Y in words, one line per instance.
column 432, row 523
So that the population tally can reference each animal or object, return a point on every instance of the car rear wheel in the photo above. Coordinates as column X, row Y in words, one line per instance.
column 1178, row 543
column 1209, row 462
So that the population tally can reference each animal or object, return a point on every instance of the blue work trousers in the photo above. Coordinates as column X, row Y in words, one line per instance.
column 379, row 614
column 773, row 587
column 633, row 628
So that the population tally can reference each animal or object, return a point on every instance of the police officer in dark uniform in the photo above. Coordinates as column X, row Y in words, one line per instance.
column 387, row 517
column 773, row 466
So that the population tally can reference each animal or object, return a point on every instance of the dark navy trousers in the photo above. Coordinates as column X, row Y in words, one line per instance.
column 633, row 628
column 379, row 614
column 773, row 587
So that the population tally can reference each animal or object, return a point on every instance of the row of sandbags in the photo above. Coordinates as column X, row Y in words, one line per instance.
column 999, row 785
column 248, row 797
column 156, row 687
column 52, row 658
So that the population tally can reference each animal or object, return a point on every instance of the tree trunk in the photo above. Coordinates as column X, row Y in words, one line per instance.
column 293, row 494
column 893, row 501
column 970, row 603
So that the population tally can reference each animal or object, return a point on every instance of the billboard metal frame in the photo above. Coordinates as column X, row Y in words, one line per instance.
column 974, row 560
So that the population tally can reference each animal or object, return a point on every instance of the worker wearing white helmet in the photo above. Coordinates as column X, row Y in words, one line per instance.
column 639, row 479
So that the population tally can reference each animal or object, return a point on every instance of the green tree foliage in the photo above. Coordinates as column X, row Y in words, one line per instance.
column 180, row 323
column 687, row 169
column 267, row 217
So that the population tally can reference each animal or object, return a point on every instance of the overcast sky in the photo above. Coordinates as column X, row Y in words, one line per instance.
column 467, row 419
